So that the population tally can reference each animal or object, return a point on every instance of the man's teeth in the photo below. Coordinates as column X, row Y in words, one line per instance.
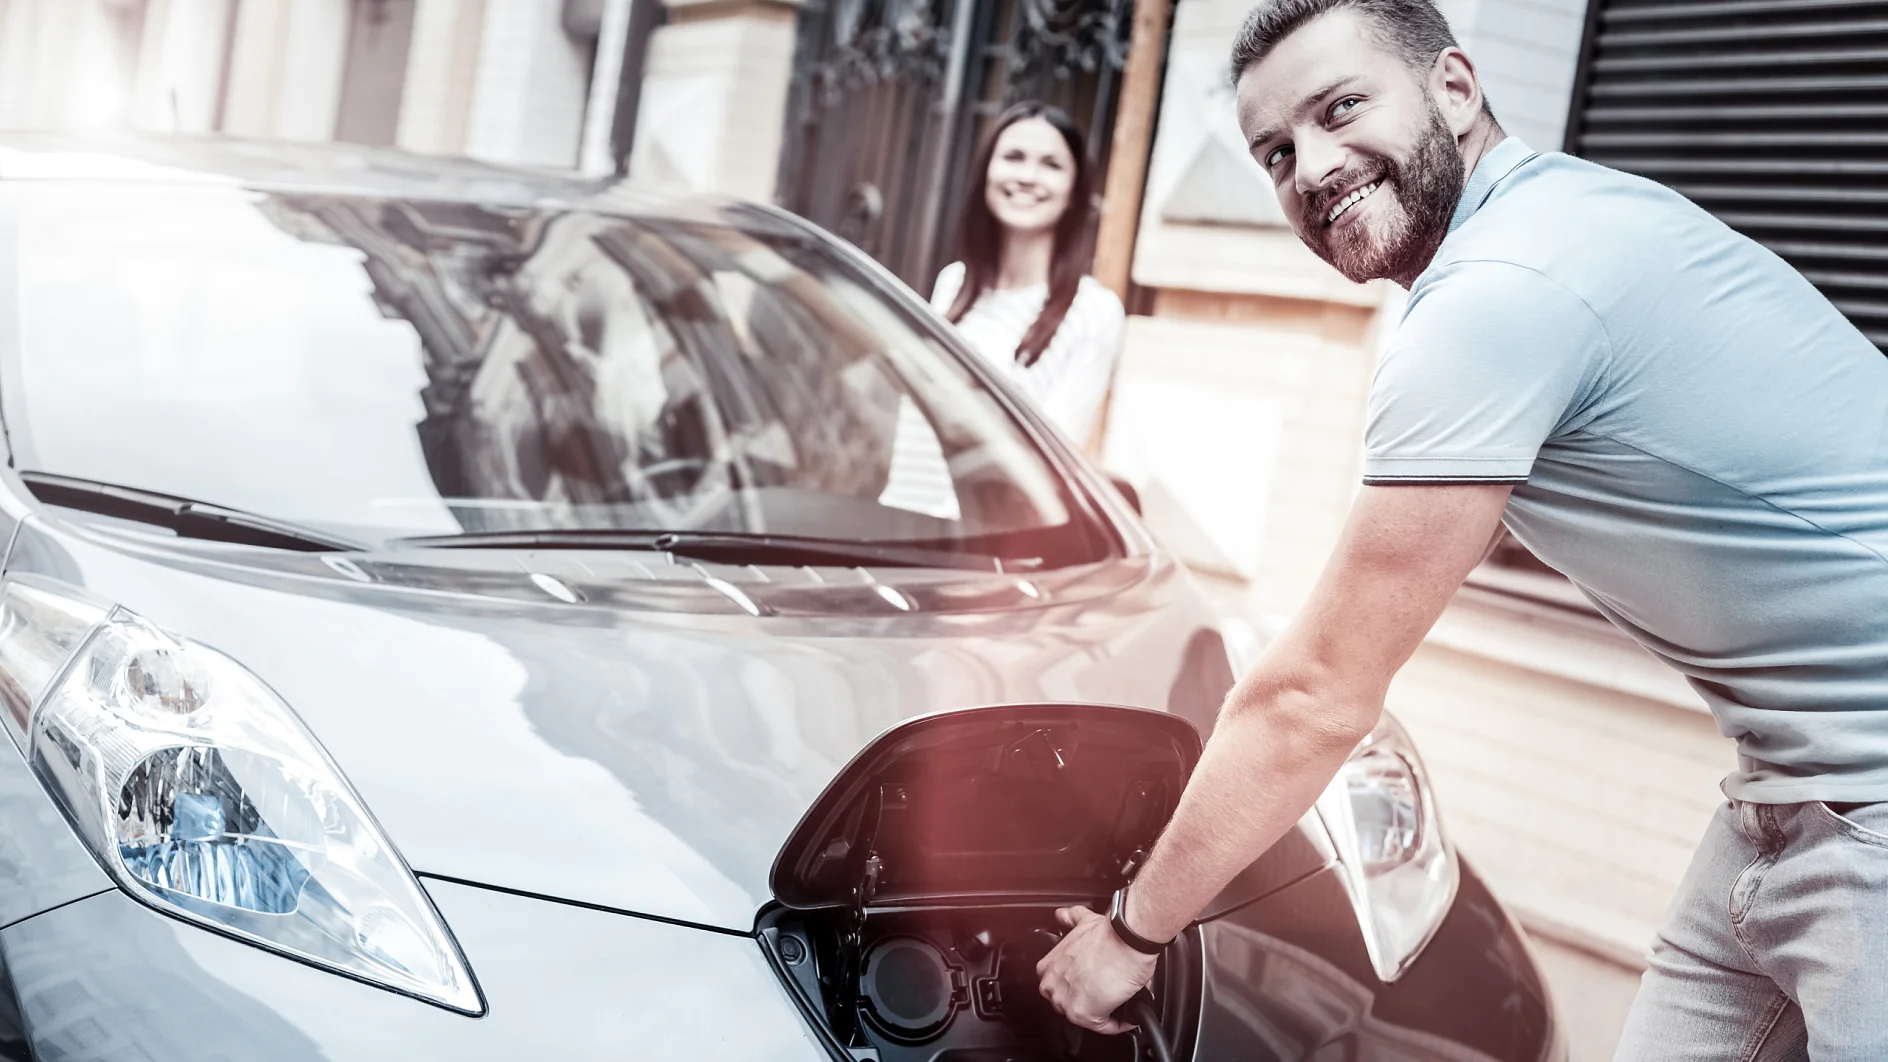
column 1352, row 200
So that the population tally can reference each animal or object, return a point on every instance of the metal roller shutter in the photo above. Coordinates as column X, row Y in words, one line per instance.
column 1771, row 114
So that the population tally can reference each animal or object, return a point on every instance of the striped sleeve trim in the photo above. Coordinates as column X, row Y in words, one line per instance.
column 1457, row 469
column 1377, row 481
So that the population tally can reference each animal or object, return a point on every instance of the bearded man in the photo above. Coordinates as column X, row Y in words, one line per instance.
column 1659, row 408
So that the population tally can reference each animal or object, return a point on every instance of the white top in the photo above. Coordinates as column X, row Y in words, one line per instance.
column 1068, row 381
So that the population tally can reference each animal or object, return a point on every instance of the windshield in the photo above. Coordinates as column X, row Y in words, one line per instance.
column 390, row 369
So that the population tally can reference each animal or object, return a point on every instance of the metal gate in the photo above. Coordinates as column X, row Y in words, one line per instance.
column 889, row 99
column 1771, row 114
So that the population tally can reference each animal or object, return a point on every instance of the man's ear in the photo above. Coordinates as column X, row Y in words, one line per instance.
column 1456, row 90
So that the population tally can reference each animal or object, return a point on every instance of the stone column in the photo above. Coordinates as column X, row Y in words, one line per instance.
column 714, row 96
column 606, row 75
column 67, row 64
column 286, row 69
column 441, row 68
column 180, row 65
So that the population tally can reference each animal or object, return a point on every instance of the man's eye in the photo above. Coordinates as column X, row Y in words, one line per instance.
column 1277, row 155
column 1344, row 106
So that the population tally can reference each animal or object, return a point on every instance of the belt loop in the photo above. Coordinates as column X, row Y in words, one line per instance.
column 1774, row 839
column 1758, row 824
column 1745, row 816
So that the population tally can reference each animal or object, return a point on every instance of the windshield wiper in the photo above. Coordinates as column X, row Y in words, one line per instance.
column 724, row 547
column 189, row 519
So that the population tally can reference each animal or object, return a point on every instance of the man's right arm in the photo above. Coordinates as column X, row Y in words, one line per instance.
column 1288, row 726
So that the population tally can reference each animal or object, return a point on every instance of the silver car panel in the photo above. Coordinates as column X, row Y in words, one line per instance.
column 637, row 760
column 42, row 864
column 108, row 979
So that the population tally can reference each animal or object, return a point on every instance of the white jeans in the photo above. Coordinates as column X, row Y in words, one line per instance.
column 1776, row 947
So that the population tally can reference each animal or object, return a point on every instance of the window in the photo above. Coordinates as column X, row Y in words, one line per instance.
column 387, row 368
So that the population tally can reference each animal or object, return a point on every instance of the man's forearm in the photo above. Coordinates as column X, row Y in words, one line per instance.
column 1287, row 728
column 1272, row 753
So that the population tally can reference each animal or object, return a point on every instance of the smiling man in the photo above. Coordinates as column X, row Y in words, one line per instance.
column 1659, row 408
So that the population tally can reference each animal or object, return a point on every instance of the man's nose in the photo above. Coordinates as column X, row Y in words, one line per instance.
column 1320, row 159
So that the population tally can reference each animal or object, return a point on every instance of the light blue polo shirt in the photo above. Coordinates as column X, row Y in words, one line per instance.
column 1698, row 439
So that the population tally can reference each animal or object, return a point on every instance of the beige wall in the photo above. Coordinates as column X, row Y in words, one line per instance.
column 529, row 91
column 1248, row 439
column 1582, row 804
column 504, row 80
column 714, row 97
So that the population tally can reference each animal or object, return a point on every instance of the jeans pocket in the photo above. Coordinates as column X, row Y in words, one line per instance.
column 1867, row 823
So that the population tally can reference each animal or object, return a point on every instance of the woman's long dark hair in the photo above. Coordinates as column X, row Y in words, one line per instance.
column 980, row 239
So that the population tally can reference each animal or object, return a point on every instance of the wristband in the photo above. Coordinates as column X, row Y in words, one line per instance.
column 1117, row 918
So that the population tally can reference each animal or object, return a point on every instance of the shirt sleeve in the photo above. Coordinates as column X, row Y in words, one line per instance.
column 1490, row 361
column 1071, row 397
column 949, row 280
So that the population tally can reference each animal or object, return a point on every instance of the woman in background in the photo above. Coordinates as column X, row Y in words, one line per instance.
column 1019, row 293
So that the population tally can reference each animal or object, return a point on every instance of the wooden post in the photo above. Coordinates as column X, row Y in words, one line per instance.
column 1133, row 138
column 1127, row 165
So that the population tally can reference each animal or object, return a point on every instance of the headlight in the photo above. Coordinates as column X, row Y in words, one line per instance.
column 1399, row 870
column 203, row 795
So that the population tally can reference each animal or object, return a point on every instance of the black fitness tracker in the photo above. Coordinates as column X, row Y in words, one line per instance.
column 1117, row 917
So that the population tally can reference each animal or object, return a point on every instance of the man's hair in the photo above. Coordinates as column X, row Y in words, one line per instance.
column 1412, row 29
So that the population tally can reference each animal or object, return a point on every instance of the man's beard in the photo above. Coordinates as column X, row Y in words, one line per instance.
column 1427, row 184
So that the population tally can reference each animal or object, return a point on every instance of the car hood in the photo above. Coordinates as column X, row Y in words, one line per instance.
column 557, row 724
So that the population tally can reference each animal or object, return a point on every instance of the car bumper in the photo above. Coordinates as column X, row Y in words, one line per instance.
column 1286, row 978
column 108, row 979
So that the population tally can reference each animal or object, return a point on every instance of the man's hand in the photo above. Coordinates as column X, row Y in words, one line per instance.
column 1091, row 972
column 1287, row 727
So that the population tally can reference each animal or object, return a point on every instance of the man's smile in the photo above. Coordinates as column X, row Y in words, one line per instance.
column 1356, row 196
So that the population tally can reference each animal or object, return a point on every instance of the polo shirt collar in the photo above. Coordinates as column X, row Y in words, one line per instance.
column 1501, row 160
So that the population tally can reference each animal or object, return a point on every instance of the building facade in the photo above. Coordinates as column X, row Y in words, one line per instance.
column 524, row 82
